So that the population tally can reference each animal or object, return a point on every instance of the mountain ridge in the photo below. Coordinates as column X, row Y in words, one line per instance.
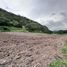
column 8, row 19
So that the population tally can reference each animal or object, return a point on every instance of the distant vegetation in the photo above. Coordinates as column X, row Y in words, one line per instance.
column 60, row 32
column 12, row 22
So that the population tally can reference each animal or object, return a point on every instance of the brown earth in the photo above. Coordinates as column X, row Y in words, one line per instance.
column 30, row 50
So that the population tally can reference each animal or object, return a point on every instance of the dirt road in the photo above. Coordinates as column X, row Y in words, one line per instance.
column 29, row 50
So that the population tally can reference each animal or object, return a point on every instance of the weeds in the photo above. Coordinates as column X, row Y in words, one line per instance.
column 59, row 62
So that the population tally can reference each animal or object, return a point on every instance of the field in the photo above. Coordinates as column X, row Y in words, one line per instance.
column 30, row 49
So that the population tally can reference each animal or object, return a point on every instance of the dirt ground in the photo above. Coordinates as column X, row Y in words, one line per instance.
column 30, row 50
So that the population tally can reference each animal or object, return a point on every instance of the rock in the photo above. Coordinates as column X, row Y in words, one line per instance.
column 2, row 61
column 5, row 61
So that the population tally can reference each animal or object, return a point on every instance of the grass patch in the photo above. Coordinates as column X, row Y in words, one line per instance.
column 64, row 50
column 11, row 29
column 14, row 29
column 60, row 62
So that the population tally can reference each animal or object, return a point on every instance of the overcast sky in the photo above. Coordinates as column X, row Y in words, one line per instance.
column 52, row 13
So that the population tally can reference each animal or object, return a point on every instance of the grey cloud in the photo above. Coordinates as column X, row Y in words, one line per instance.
column 55, row 26
column 58, row 25
column 44, row 7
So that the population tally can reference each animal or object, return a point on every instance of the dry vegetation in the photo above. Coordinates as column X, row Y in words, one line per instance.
column 30, row 50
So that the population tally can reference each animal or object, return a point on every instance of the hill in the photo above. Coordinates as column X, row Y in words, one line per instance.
column 12, row 22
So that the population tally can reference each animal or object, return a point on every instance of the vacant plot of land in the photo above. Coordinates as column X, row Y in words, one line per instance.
column 30, row 50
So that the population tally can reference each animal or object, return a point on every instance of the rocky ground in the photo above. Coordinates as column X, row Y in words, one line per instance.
column 30, row 50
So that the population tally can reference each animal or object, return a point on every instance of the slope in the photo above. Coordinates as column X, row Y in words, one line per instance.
column 10, row 21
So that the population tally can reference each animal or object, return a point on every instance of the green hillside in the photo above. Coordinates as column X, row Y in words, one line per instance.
column 12, row 22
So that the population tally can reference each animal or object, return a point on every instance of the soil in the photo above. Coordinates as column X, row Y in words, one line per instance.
column 30, row 49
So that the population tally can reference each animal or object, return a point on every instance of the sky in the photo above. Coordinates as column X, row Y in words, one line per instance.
column 52, row 13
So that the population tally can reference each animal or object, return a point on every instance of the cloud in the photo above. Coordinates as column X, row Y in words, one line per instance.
column 55, row 21
column 22, row 7
column 45, row 7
